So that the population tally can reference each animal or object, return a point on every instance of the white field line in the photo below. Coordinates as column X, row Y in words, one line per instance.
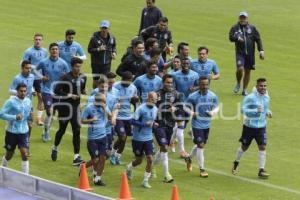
column 248, row 180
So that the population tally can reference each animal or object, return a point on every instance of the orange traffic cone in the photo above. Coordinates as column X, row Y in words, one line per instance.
column 83, row 183
column 175, row 194
column 124, row 189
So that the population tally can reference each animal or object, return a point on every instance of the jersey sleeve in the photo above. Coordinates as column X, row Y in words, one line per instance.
column 26, row 55
column 248, row 107
column 85, row 113
column 80, row 51
column 13, row 86
column 215, row 68
column 4, row 112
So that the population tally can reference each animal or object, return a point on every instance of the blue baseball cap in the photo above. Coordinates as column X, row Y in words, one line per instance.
column 105, row 24
column 243, row 13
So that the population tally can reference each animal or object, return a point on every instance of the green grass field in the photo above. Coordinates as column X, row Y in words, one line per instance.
column 199, row 23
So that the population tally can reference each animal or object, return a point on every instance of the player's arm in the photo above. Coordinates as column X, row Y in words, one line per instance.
column 233, row 35
column 215, row 72
column 4, row 112
column 215, row 108
column 136, row 120
column 122, row 67
column 86, row 117
column 93, row 47
column 258, row 41
column 35, row 71
column 12, row 88
column 249, row 108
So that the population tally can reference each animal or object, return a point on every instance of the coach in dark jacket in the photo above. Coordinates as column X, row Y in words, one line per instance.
column 150, row 15
column 245, row 35
column 102, row 48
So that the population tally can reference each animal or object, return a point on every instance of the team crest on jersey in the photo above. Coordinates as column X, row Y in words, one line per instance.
column 185, row 78
column 166, row 36
column 239, row 62
column 155, row 35
column 96, row 152
column 249, row 31
column 145, row 13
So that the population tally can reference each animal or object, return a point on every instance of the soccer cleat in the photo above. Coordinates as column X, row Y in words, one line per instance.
column 263, row 174
column 112, row 159
column 183, row 154
column 77, row 161
column 99, row 183
column 168, row 179
column 234, row 170
column 244, row 93
column 39, row 121
column 153, row 173
column 203, row 173
column 188, row 162
column 146, row 184
column 54, row 154
column 236, row 88
column 129, row 174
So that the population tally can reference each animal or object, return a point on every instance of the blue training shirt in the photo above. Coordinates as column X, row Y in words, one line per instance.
column 96, row 130
column 67, row 52
column 54, row 69
column 144, row 85
column 27, row 80
column 11, row 108
column 202, row 104
column 205, row 68
column 144, row 114
column 183, row 82
column 124, row 95
column 252, row 118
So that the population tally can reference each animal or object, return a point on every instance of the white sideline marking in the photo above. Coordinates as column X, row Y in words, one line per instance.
column 268, row 185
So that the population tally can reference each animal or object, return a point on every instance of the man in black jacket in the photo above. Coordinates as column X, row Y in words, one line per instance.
column 245, row 35
column 162, row 34
column 102, row 48
column 68, row 92
column 134, row 61
column 150, row 15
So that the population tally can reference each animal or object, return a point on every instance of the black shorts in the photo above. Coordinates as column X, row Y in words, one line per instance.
column 248, row 134
column 37, row 85
column 123, row 127
column 12, row 140
column 97, row 147
column 246, row 61
column 97, row 70
column 200, row 135
column 163, row 135
column 141, row 148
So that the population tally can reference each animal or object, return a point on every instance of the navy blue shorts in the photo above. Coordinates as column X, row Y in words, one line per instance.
column 48, row 100
column 97, row 147
column 163, row 135
column 109, row 141
column 200, row 135
column 247, row 61
column 37, row 85
column 123, row 127
column 259, row 134
column 141, row 148
column 12, row 140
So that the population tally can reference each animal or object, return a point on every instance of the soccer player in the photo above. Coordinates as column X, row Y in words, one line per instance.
column 17, row 110
column 96, row 116
column 162, row 34
column 102, row 48
column 68, row 93
column 256, row 109
column 176, row 65
column 126, row 93
column 245, row 35
column 142, row 142
column 149, row 82
column 134, row 62
column 52, row 69
column 205, row 66
column 169, row 102
column 204, row 104
column 69, row 49
column 35, row 54
column 185, row 82
column 150, row 15
column 25, row 77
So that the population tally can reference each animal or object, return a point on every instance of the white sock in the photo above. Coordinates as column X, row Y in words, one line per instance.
column 97, row 178
column 55, row 147
column 25, row 167
column 146, row 176
column 39, row 113
column 47, row 122
column 118, row 155
column 165, row 162
column 200, row 156
column 193, row 151
column 239, row 154
column 75, row 156
column 262, row 155
column 157, row 158
column 173, row 137
column 180, row 138
column 4, row 162
column 130, row 166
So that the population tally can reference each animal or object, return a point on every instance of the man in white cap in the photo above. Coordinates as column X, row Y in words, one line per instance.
column 245, row 35
column 102, row 48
